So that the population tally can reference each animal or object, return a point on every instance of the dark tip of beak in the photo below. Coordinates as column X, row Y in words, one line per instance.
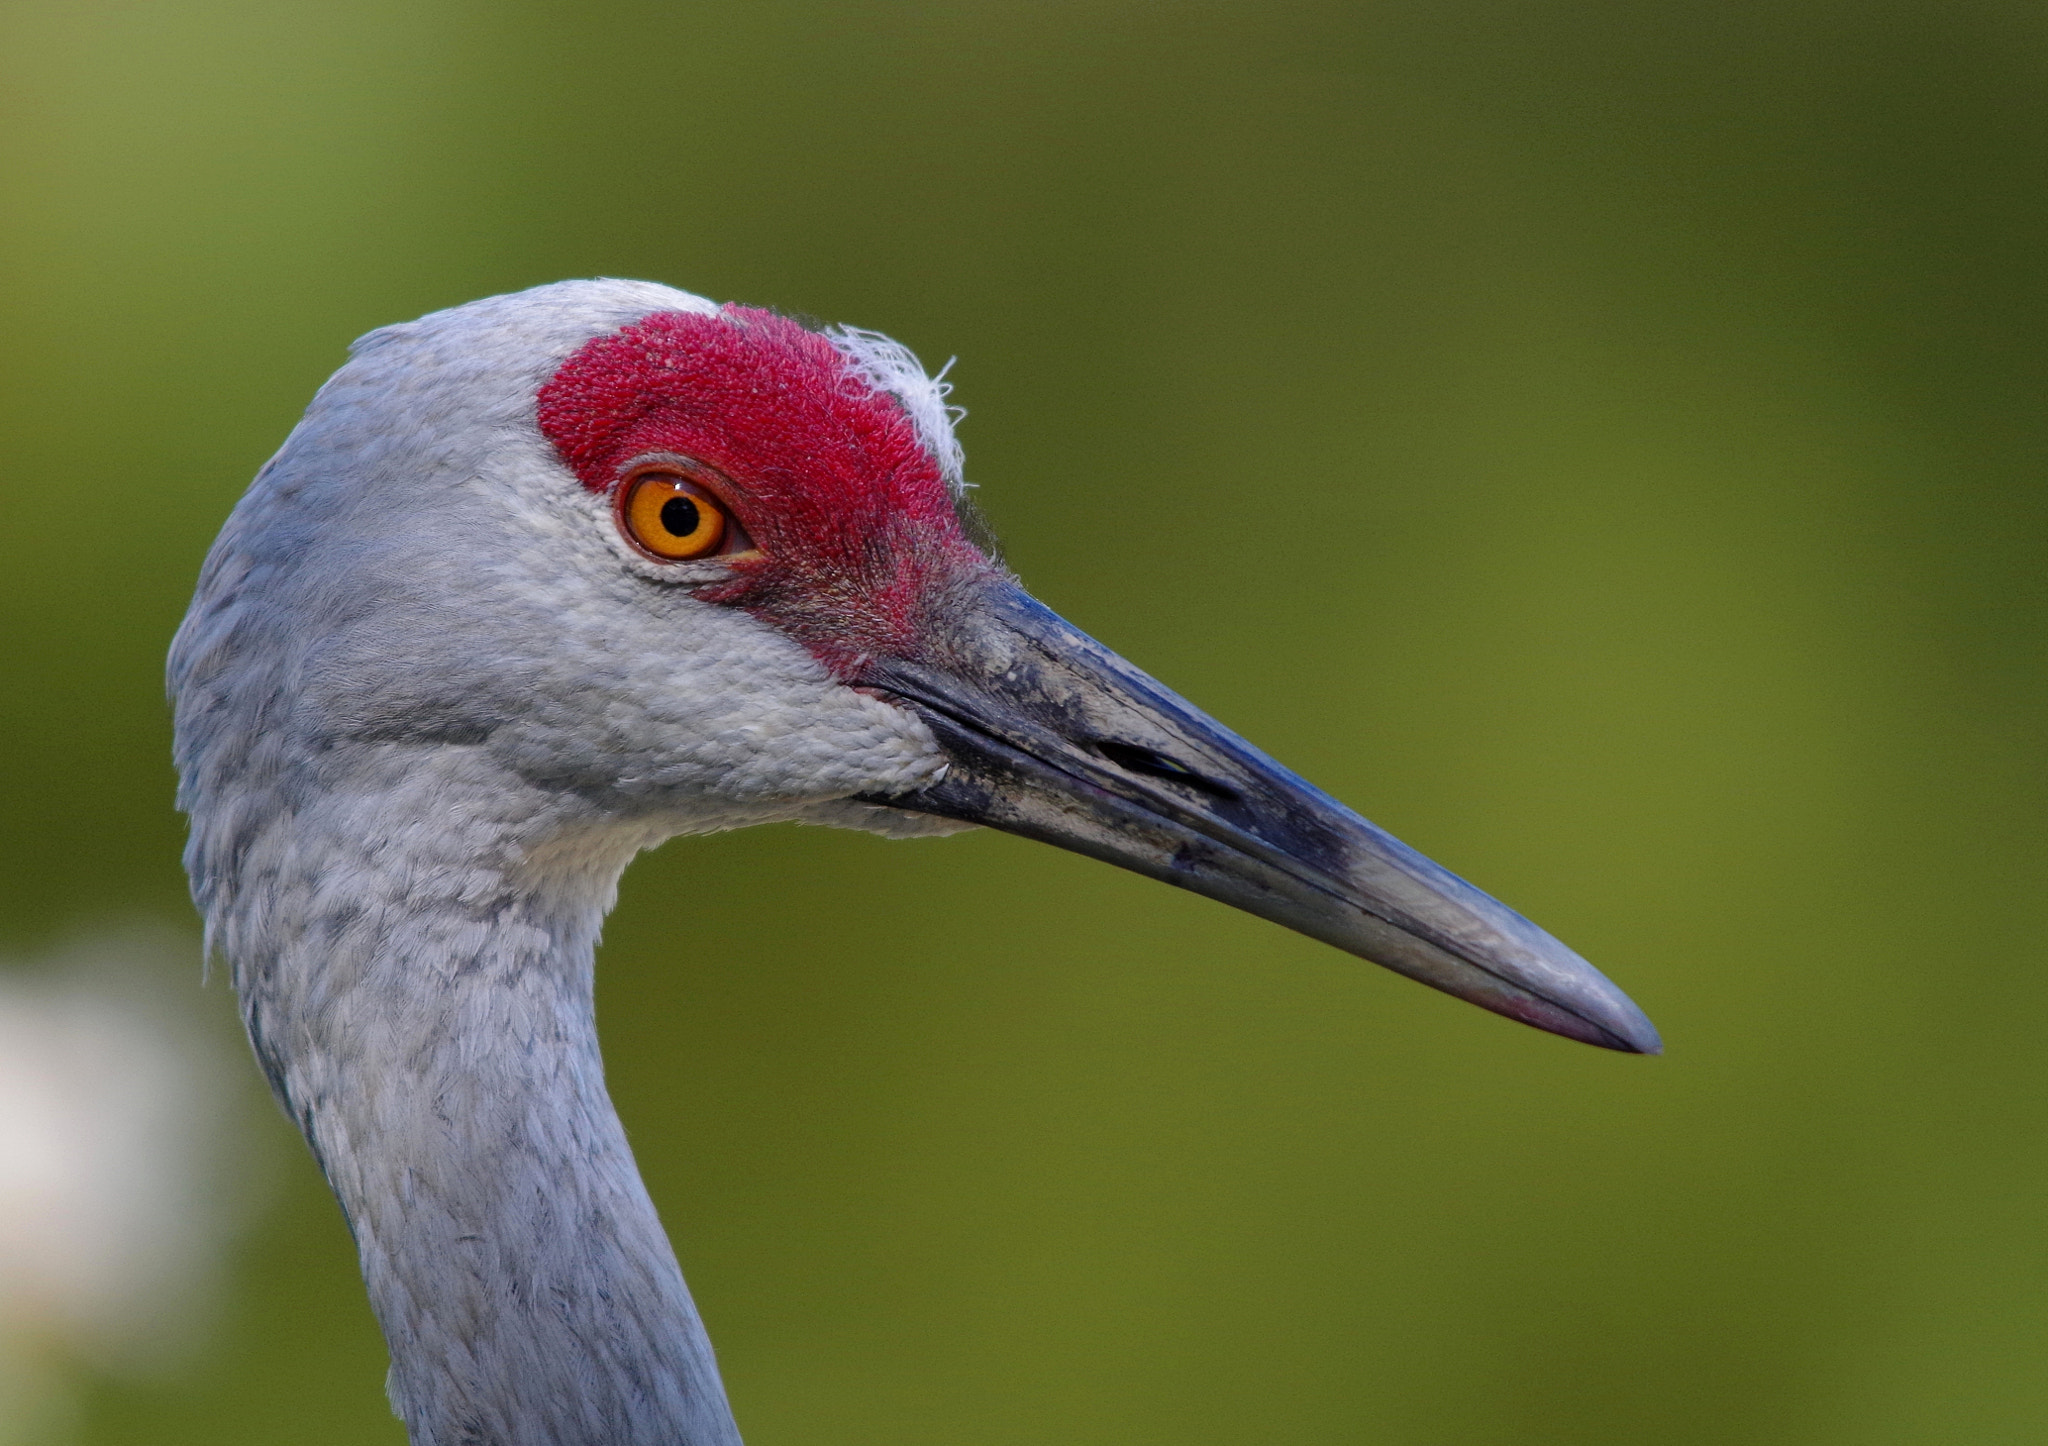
column 1622, row 1027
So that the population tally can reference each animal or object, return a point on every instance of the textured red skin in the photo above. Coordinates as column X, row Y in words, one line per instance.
column 858, row 545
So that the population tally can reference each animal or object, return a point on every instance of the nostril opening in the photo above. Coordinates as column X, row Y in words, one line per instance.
column 1135, row 758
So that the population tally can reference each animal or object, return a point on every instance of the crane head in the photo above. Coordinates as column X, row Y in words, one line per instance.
column 606, row 556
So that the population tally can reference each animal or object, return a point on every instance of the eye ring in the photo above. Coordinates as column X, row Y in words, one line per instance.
column 670, row 517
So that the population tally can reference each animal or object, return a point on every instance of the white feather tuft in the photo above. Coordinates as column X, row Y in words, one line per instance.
column 890, row 366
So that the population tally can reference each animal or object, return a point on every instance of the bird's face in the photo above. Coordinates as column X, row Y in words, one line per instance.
column 750, row 461
column 727, row 577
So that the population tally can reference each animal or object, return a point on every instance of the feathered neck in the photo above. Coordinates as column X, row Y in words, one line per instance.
column 415, row 968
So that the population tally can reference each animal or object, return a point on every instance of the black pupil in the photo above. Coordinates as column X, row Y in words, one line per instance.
column 679, row 516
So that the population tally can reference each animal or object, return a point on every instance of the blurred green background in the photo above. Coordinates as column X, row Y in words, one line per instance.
column 1604, row 442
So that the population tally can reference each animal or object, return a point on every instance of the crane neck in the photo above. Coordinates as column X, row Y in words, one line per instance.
column 424, row 1007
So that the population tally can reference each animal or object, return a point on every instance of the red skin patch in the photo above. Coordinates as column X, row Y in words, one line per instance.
column 858, row 544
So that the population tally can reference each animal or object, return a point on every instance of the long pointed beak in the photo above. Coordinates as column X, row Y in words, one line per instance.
column 1054, row 737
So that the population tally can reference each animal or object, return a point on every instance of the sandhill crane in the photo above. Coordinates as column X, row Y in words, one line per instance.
column 546, row 579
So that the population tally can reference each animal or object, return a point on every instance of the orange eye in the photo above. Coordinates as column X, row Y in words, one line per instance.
column 670, row 518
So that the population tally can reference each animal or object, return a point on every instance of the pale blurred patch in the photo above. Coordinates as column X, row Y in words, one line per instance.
column 125, row 1167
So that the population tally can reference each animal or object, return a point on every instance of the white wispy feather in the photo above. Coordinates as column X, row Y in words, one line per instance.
column 888, row 364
